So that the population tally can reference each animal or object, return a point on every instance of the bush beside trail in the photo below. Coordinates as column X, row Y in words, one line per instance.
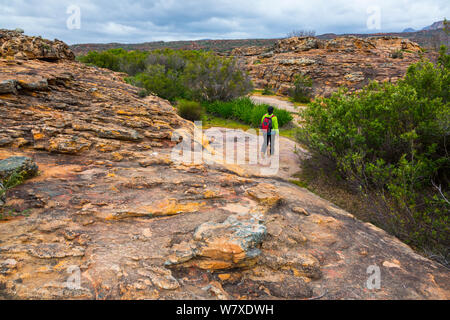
column 243, row 109
column 190, row 110
column 392, row 140
column 177, row 74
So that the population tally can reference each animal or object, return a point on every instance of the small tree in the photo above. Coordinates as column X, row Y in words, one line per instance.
column 397, row 54
column 302, row 90
column 215, row 78
column 301, row 33
column 190, row 110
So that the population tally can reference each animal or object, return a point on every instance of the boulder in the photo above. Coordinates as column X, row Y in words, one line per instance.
column 17, row 164
column 217, row 246
column 39, row 85
column 8, row 86
column 67, row 144
column 14, row 44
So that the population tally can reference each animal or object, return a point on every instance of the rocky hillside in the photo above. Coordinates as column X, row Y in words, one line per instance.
column 15, row 45
column 219, row 46
column 436, row 25
column 110, row 208
column 430, row 38
column 343, row 61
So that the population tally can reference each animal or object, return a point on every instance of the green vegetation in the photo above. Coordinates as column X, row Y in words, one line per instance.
column 142, row 93
column 243, row 109
column 391, row 141
column 289, row 133
column 12, row 181
column 210, row 121
column 171, row 74
column 267, row 91
column 193, row 78
column 300, row 183
column 9, row 213
column 398, row 54
column 221, row 46
column 301, row 92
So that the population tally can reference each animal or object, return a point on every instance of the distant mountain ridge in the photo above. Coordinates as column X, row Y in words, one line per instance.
column 431, row 36
column 435, row 26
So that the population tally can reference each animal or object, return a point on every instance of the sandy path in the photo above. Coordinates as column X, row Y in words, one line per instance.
column 275, row 101
column 280, row 104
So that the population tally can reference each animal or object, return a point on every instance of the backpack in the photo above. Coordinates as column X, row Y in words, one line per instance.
column 267, row 124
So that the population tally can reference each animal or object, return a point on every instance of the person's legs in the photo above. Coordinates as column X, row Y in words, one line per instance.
column 265, row 143
column 272, row 144
column 269, row 141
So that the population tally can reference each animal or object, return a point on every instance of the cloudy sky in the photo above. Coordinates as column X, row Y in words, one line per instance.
column 153, row 20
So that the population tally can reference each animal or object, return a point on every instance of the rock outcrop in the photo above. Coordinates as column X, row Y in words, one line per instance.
column 344, row 61
column 23, row 165
column 17, row 169
column 112, row 215
column 14, row 44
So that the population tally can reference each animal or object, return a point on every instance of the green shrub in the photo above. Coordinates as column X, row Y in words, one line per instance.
column 110, row 59
column 175, row 74
column 15, row 179
column 158, row 81
column 267, row 91
column 284, row 117
column 142, row 93
column 302, row 90
column 397, row 54
column 220, row 108
column 190, row 110
column 243, row 109
column 393, row 140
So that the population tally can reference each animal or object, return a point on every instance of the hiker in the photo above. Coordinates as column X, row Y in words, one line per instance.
column 269, row 127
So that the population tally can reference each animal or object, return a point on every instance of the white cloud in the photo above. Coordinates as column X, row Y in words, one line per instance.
column 113, row 28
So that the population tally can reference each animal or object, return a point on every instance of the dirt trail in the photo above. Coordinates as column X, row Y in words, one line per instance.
column 276, row 102
column 280, row 104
